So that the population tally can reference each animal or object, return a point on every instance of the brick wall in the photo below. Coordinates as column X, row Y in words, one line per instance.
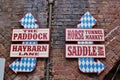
column 66, row 14
column 11, row 11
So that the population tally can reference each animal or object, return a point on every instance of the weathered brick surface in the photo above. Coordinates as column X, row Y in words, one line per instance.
column 11, row 11
column 66, row 14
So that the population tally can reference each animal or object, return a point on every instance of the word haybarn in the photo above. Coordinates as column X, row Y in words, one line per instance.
column 29, row 48
column 34, row 50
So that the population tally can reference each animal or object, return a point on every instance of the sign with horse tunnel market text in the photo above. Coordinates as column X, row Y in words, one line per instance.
column 85, row 49
column 76, row 51
column 84, row 34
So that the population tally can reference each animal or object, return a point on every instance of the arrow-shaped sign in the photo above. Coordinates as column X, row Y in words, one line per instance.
column 26, row 64
column 28, row 21
column 88, row 65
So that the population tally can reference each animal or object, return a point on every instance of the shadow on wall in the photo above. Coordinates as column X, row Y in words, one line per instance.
column 114, row 74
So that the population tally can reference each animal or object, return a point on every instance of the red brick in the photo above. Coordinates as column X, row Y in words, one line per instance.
column 65, row 14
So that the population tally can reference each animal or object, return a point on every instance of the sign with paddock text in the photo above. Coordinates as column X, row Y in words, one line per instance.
column 29, row 44
column 84, row 34
column 78, row 51
column 28, row 50
column 31, row 35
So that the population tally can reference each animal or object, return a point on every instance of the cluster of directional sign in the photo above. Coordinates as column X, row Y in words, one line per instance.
column 85, row 50
column 29, row 50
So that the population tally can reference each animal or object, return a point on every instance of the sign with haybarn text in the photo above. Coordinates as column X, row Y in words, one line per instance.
column 34, row 50
column 29, row 44
column 76, row 51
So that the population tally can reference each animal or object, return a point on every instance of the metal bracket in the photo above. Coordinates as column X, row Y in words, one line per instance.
column 51, row 1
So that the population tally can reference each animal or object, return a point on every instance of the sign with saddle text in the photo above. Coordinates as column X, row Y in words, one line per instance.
column 85, row 49
column 77, row 51
column 94, row 51
column 85, row 35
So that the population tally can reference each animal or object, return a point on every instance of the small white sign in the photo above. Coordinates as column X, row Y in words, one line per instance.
column 2, row 67
column 28, row 50
column 31, row 35
column 82, row 51
column 84, row 34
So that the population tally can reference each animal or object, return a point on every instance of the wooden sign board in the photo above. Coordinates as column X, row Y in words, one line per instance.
column 28, row 50
column 82, row 51
column 31, row 35
column 84, row 34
